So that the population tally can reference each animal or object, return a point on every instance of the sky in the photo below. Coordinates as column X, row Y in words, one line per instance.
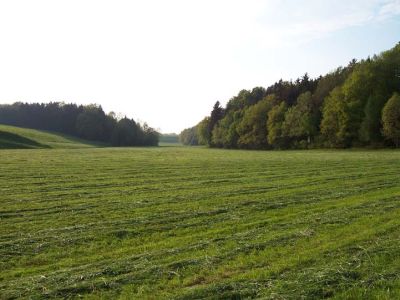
column 167, row 62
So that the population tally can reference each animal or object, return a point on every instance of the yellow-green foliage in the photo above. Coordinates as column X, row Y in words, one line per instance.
column 190, row 223
column 391, row 119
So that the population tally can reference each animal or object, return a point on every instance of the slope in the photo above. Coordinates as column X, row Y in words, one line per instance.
column 24, row 138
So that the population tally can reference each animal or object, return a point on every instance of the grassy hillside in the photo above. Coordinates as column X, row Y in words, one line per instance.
column 189, row 223
column 23, row 138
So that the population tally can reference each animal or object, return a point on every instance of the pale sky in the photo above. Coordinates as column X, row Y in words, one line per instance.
column 167, row 62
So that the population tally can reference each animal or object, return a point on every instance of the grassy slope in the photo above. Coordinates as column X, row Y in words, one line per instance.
column 21, row 138
column 192, row 222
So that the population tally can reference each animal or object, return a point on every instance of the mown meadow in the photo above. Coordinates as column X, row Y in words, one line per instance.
column 190, row 223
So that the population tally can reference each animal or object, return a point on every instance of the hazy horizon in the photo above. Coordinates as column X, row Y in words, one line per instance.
column 168, row 63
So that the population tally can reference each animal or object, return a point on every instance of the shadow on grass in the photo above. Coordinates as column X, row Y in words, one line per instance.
column 10, row 140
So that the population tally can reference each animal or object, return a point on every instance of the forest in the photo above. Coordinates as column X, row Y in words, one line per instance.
column 353, row 106
column 84, row 121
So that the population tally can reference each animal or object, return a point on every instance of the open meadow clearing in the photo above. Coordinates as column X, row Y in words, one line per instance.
column 185, row 223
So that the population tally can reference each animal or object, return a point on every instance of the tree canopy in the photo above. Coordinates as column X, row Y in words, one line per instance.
column 345, row 108
column 89, row 122
column 391, row 119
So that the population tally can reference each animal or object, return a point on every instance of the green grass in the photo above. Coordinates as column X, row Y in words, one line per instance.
column 169, row 144
column 23, row 138
column 190, row 223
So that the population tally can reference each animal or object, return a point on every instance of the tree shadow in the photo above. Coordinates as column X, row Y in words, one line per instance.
column 10, row 140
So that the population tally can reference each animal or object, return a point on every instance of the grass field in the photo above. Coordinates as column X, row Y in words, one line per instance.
column 189, row 223
column 23, row 138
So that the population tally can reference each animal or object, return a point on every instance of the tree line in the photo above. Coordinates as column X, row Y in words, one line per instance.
column 84, row 121
column 353, row 106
